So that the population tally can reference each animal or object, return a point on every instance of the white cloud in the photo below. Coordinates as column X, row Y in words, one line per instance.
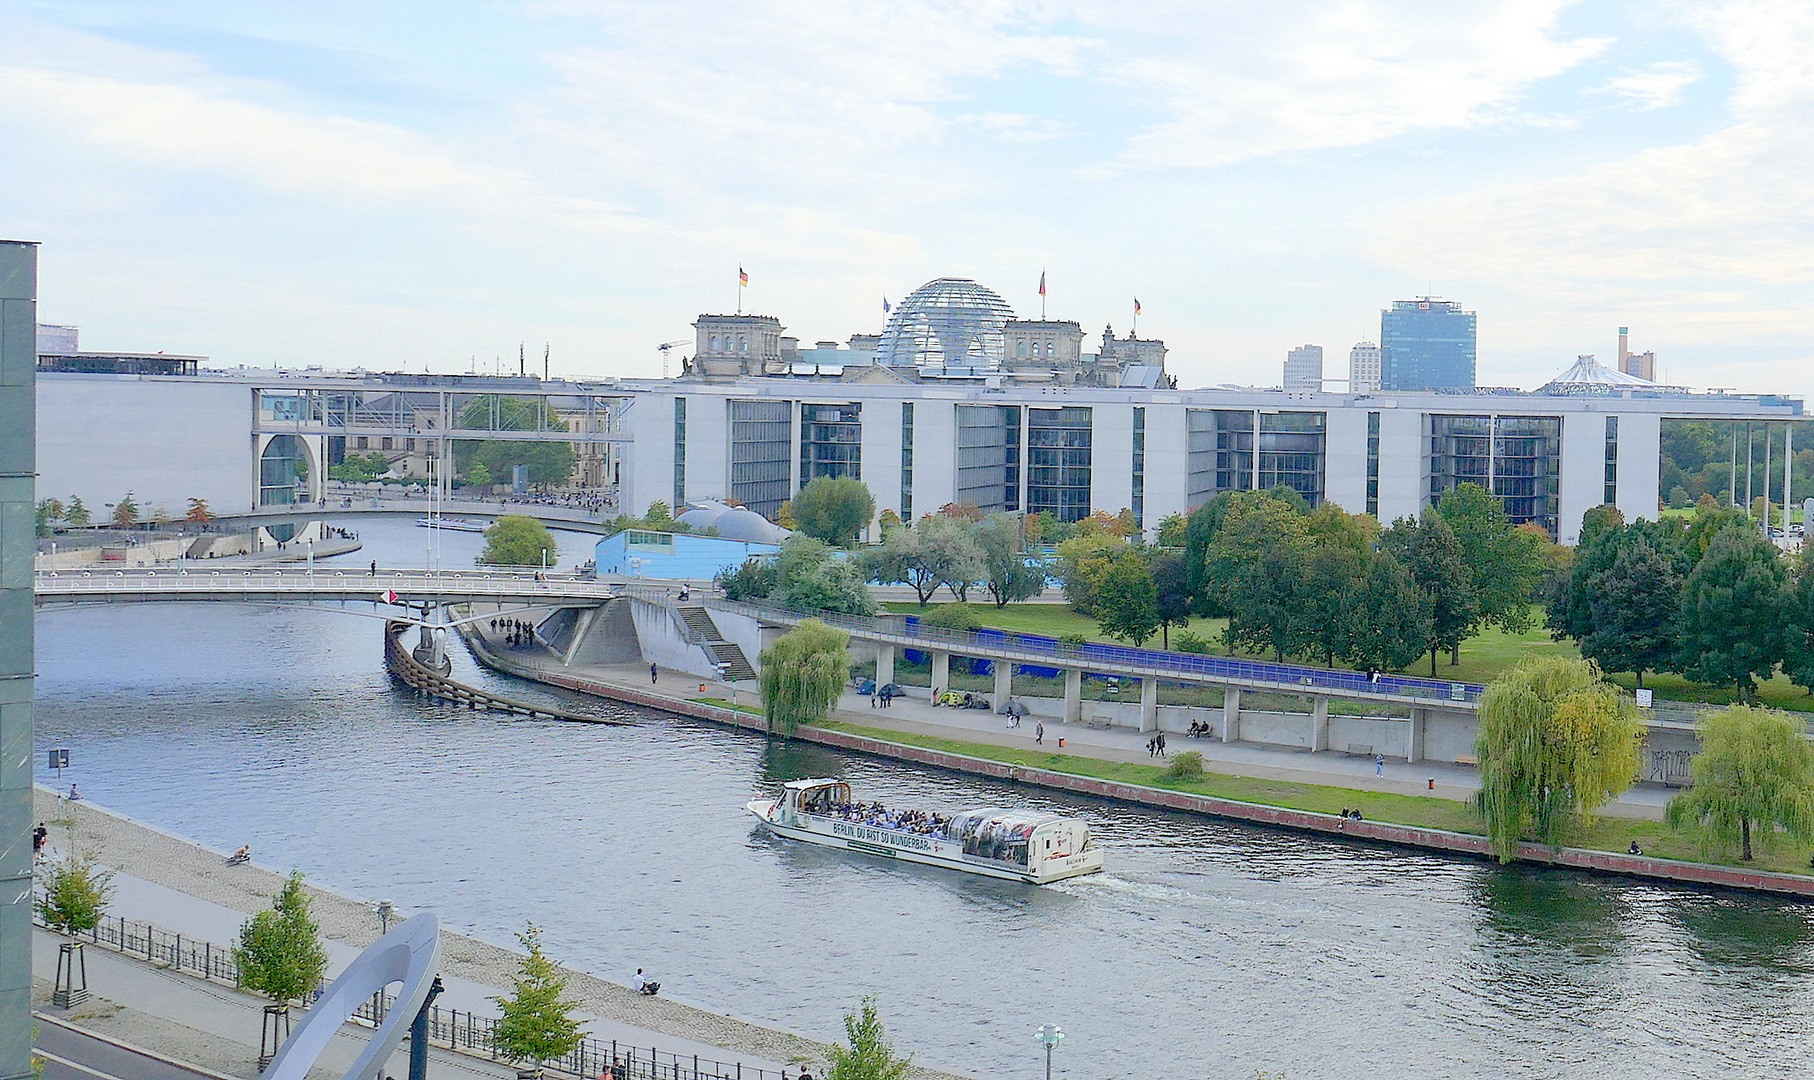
column 1659, row 86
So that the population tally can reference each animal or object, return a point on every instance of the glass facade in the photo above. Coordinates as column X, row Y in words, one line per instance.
column 1516, row 458
column 1426, row 344
column 982, row 456
column 680, row 455
column 1200, row 446
column 1058, row 462
column 907, row 461
column 831, row 441
column 1011, row 470
column 1291, row 451
column 761, row 448
column 1373, row 464
column 951, row 324
column 1612, row 461
column 1139, row 506
column 282, row 472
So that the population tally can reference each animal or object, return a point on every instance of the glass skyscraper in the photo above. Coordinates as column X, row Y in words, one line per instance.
column 1426, row 344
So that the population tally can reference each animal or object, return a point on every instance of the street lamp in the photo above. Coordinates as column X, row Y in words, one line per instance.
column 1051, row 1035
column 385, row 909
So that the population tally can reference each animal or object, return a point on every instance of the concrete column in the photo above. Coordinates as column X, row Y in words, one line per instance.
column 884, row 665
column 1319, row 725
column 1073, row 695
column 941, row 671
column 1004, row 682
column 1231, row 714
column 1149, row 704
column 18, row 373
column 1419, row 721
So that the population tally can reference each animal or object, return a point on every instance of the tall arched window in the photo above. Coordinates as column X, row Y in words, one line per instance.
column 714, row 342
column 743, row 343
column 1020, row 348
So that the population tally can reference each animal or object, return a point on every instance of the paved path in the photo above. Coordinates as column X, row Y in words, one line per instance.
column 917, row 715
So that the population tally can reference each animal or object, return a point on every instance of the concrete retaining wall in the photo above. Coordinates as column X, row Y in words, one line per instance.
column 660, row 641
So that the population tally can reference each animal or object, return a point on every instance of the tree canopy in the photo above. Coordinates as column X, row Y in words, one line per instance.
column 1008, row 575
column 1555, row 743
column 936, row 551
column 518, row 540
column 279, row 953
column 75, row 894
column 834, row 509
column 1126, row 602
column 866, row 1054
column 1733, row 612
column 1754, row 769
column 803, row 673
column 1426, row 547
column 548, row 462
column 535, row 1023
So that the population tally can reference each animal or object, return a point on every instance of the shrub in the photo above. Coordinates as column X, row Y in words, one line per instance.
column 1187, row 642
column 953, row 617
column 1186, row 766
column 1074, row 639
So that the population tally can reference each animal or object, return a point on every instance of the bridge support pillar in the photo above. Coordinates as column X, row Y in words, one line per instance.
column 884, row 665
column 1004, row 682
column 1420, row 720
column 941, row 670
column 1319, row 725
column 1073, row 695
column 1149, row 704
column 1231, row 714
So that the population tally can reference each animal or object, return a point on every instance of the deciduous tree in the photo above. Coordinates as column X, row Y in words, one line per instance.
column 518, row 540
column 125, row 512
column 1426, row 548
column 1082, row 560
column 1007, row 573
column 834, row 509
column 1171, row 591
column 803, row 673
column 1504, row 564
column 935, row 552
column 1754, row 769
column 1734, row 606
column 535, row 1023
column 1126, row 603
column 1633, row 605
column 1555, row 743
column 866, row 1054
column 1391, row 618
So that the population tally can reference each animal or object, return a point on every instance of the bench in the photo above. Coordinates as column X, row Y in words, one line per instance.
column 1467, row 759
column 1358, row 750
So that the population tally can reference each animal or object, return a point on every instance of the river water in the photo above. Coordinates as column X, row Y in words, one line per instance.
column 1206, row 950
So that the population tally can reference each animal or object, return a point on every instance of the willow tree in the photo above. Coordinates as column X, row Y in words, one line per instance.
column 1754, row 768
column 803, row 673
column 1556, row 742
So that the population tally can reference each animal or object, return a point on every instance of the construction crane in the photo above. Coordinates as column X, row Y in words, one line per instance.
column 664, row 347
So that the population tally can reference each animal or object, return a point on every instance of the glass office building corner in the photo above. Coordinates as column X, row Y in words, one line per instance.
column 18, row 543
column 1426, row 344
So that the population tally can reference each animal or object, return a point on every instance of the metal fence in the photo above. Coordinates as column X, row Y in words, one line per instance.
column 1284, row 678
column 466, row 1032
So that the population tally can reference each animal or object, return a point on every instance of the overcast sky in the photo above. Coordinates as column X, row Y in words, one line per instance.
column 413, row 185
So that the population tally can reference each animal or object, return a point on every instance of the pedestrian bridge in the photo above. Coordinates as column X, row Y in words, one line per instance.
column 405, row 588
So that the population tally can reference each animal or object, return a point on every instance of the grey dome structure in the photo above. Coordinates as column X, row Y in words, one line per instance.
column 734, row 523
column 947, row 325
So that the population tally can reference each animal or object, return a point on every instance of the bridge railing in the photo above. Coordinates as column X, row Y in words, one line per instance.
column 407, row 583
column 1186, row 666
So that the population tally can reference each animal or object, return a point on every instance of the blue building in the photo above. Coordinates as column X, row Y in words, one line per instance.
column 1426, row 344
column 673, row 556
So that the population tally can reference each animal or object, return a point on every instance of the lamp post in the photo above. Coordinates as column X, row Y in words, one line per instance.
column 384, row 909
column 1051, row 1035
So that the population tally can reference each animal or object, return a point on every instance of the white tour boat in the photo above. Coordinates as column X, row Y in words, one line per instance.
column 1020, row 845
column 452, row 524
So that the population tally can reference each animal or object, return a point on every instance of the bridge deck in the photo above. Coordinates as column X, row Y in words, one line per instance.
column 263, row 585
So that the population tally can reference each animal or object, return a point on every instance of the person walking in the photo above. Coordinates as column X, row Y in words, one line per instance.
column 38, row 836
column 1379, row 765
column 1039, row 732
column 374, row 567
column 1160, row 739
column 654, row 675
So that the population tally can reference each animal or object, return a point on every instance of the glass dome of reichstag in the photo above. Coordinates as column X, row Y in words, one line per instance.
column 949, row 324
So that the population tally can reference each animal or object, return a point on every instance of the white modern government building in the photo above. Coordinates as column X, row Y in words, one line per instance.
column 956, row 402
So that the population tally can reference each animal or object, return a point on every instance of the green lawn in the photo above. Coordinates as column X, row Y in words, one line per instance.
column 1603, row 834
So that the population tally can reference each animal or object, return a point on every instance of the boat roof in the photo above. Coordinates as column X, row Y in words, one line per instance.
column 1007, row 815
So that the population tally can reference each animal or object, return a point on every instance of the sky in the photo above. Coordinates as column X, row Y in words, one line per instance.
column 428, row 186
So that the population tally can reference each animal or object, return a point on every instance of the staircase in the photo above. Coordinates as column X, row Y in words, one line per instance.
column 701, row 629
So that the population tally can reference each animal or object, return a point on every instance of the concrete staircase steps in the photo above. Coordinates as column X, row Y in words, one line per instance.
column 699, row 624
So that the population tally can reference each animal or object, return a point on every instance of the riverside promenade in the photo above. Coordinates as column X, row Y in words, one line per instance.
column 690, row 695
column 188, row 889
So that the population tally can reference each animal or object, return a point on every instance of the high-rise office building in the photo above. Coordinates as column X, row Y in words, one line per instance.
column 1426, row 344
column 1641, row 364
column 1304, row 369
column 1363, row 368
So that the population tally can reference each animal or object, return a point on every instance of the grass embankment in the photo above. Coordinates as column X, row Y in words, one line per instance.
column 742, row 707
column 1603, row 834
column 1484, row 656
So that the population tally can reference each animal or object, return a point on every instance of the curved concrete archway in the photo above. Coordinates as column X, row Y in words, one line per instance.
column 410, row 953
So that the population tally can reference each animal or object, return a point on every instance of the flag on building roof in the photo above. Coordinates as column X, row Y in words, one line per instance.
column 1042, row 283
column 743, row 277
column 885, row 308
column 1136, row 305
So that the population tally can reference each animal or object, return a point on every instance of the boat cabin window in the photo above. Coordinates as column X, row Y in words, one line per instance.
column 823, row 799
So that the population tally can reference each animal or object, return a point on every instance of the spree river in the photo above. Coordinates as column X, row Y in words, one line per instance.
column 1206, row 950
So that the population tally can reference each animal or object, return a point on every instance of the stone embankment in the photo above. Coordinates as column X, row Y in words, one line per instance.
column 1466, row 844
column 157, row 856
